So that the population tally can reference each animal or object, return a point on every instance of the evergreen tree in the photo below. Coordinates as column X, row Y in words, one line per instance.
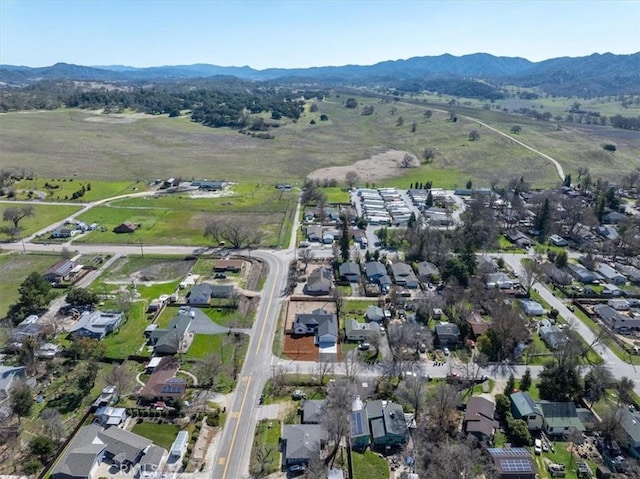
column 510, row 386
column 344, row 240
column 429, row 201
column 567, row 181
column 525, row 381
column 543, row 220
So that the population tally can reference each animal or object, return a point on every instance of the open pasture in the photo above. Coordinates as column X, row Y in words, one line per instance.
column 44, row 216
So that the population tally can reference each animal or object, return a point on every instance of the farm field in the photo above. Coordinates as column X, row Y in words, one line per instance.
column 61, row 141
column 62, row 189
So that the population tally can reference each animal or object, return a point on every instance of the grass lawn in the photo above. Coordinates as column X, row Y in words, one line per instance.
column 267, row 437
column 205, row 344
column 369, row 466
column 336, row 194
column 44, row 216
column 61, row 189
column 130, row 338
column 204, row 266
column 162, row 435
column 357, row 307
column 15, row 269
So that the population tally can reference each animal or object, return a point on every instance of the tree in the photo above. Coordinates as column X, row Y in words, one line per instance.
column 21, row 399
column 414, row 127
column 261, row 465
column 336, row 420
column 35, row 294
column 525, row 380
column 324, row 117
column 306, row 256
column 400, row 121
column 518, row 432
column 474, row 135
column 42, row 446
column 515, row 129
column 237, row 233
column 427, row 114
column 351, row 179
column 510, row 386
column 441, row 410
column 406, row 161
column 87, row 348
column 122, row 378
column 52, row 422
column 543, row 219
column 14, row 214
column 469, row 185
column 560, row 381
column 81, row 297
column 428, row 154
column 412, row 390
column 344, row 239
column 531, row 274
column 351, row 103
column 567, row 181
column 596, row 381
column 624, row 389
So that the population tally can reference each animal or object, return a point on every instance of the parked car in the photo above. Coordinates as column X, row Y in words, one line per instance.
column 219, row 276
column 537, row 448
column 297, row 469
column 446, row 351
column 364, row 346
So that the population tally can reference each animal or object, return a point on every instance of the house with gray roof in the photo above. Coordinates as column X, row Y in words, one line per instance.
column 110, row 416
column 319, row 282
column 559, row 417
column 630, row 422
column 552, row 336
column 314, row 233
column 9, row 376
column 59, row 272
column 387, row 423
column 427, row 271
column 313, row 410
column 323, row 325
column 555, row 274
column 350, row 272
column 478, row 418
column 403, row 275
column 301, row 442
column 613, row 218
column 611, row 275
column 498, row 281
column 93, row 445
column 615, row 319
column 201, row 294
column 448, row 334
column 374, row 270
column 513, row 462
column 523, row 407
column 173, row 338
column 582, row 274
column 374, row 313
column 97, row 324
column 531, row 307
column 356, row 331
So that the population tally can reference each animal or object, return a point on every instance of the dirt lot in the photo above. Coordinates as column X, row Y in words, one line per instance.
column 378, row 167
column 300, row 348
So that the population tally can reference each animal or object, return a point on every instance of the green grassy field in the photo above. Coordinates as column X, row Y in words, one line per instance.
column 205, row 344
column 162, row 435
column 60, row 142
column 267, row 436
column 44, row 216
column 15, row 269
column 130, row 338
column 369, row 465
column 62, row 189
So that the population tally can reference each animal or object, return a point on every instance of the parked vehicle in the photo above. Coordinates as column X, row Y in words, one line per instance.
column 537, row 448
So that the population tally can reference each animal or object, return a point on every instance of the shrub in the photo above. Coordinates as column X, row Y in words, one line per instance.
column 610, row 147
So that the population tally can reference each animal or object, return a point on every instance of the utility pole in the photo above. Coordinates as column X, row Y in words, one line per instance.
column 141, row 250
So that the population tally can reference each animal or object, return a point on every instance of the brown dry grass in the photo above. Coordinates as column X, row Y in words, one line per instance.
column 300, row 348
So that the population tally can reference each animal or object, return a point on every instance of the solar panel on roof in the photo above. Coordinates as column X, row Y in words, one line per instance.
column 356, row 424
column 515, row 465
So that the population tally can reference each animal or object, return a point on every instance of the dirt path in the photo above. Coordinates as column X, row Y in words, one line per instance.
column 379, row 167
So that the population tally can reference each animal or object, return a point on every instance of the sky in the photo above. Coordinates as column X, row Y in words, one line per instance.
column 298, row 33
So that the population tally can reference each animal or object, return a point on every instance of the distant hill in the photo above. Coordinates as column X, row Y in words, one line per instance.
column 597, row 74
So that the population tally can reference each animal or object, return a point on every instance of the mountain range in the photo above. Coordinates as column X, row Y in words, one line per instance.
column 593, row 75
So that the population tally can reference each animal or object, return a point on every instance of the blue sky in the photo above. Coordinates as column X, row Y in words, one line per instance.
column 264, row 33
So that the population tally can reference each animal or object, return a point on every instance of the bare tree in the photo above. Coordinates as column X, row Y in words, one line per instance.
column 351, row 179
column 441, row 410
column 351, row 365
column 322, row 370
column 336, row 420
column 624, row 389
column 239, row 234
column 262, row 455
column 15, row 214
column 306, row 255
column 474, row 135
column 29, row 353
column 454, row 459
column 531, row 274
column 122, row 377
column 407, row 161
column 339, row 300
column 52, row 423
column 412, row 390
column 428, row 154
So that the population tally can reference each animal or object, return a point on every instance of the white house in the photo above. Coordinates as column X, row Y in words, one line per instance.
column 356, row 331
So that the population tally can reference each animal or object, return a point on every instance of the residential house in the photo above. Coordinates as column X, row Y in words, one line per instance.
column 29, row 328
column 163, row 385
column 387, row 423
column 175, row 337
column 448, row 334
column 613, row 218
column 498, row 281
column 611, row 290
column 518, row 238
column 230, row 265
column 552, row 336
column 485, row 265
column 200, row 295
column 221, row 290
column 356, row 331
column 555, row 274
column 358, row 425
column 126, row 227
column 107, row 396
column 582, row 274
column 152, row 462
column 478, row 324
column 631, row 272
column 110, row 416
column 9, row 376
column 559, row 417
column 630, row 422
column 60, row 272
column 478, row 418
column 428, row 272
column 611, row 275
column 48, row 351
column 532, row 308
column 607, row 232
column 92, row 445
column 301, row 442
column 350, row 272
column 523, row 407
column 374, row 270
column 404, row 276
column 615, row 319
column 619, row 304
column 319, row 282
column 557, row 240
column 513, row 462
column 97, row 324
column 359, row 236
column 313, row 411
column 63, row 232
column 384, row 282
column 374, row 313
column 314, row 233
column 327, row 237
column 323, row 325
